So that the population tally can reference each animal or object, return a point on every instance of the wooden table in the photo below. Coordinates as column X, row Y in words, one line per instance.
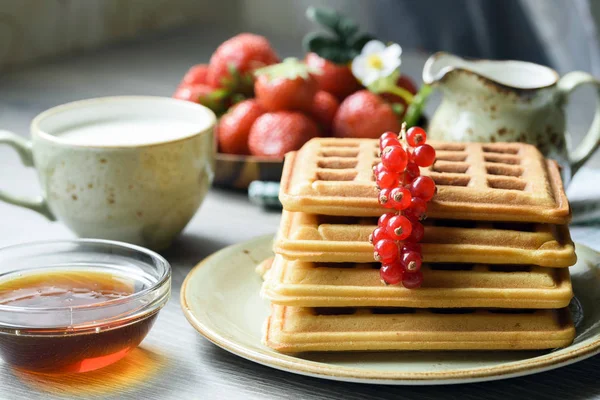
column 175, row 362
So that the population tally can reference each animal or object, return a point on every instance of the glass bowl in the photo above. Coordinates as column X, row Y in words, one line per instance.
column 84, row 337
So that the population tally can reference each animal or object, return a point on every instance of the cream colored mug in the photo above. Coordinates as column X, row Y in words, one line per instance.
column 130, row 168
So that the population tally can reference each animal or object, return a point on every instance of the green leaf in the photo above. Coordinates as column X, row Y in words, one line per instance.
column 398, row 108
column 327, row 47
column 346, row 28
column 359, row 41
column 346, row 44
column 352, row 54
column 326, row 17
column 315, row 41
column 219, row 94
column 386, row 84
column 336, row 55
column 290, row 68
column 415, row 109
column 237, row 98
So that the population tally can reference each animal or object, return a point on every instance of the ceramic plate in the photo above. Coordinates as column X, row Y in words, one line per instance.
column 220, row 298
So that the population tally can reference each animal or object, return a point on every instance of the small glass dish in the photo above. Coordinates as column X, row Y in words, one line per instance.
column 80, row 337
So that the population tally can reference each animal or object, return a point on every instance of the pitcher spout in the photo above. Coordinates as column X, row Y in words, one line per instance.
column 509, row 74
column 440, row 64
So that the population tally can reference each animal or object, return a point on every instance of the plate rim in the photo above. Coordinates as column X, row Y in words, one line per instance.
column 322, row 370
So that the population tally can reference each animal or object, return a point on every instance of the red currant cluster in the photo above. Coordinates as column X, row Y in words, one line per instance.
column 402, row 188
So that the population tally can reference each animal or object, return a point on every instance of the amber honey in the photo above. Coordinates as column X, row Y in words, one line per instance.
column 72, row 347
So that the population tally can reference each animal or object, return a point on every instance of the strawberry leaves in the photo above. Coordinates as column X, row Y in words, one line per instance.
column 344, row 41
column 216, row 101
column 290, row 68
column 237, row 82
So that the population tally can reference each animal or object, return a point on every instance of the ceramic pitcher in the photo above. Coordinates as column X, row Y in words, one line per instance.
column 505, row 101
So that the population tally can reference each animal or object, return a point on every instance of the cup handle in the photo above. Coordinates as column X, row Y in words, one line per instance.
column 591, row 141
column 23, row 147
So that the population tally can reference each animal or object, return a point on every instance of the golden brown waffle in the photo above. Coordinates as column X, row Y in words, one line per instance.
column 320, row 238
column 496, row 181
column 293, row 329
column 306, row 284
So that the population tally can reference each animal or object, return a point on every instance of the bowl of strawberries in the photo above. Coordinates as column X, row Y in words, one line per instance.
column 347, row 85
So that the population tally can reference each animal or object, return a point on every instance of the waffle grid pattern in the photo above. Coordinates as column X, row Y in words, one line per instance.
column 498, row 181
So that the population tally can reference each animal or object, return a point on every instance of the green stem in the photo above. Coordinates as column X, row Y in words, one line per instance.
column 387, row 84
column 398, row 91
column 415, row 109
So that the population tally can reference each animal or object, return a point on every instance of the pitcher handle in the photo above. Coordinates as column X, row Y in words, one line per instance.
column 23, row 147
column 591, row 140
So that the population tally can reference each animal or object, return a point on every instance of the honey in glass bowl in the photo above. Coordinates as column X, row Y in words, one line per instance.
column 77, row 306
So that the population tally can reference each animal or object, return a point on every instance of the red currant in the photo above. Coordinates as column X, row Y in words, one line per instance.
column 378, row 234
column 391, row 274
column 411, row 246
column 399, row 227
column 411, row 216
column 418, row 207
column 412, row 172
column 416, row 136
column 386, row 180
column 389, row 142
column 411, row 261
column 417, row 233
column 423, row 187
column 386, row 251
column 412, row 280
column 383, row 220
column 387, row 135
column 378, row 168
column 424, row 155
column 384, row 198
column 394, row 158
column 400, row 198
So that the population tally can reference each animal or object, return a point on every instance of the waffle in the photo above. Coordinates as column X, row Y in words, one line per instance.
column 306, row 284
column 319, row 238
column 495, row 181
column 295, row 329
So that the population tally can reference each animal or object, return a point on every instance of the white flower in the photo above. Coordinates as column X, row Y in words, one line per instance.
column 376, row 61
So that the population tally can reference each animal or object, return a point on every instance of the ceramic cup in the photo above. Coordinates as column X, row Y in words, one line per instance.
column 131, row 168
column 505, row 101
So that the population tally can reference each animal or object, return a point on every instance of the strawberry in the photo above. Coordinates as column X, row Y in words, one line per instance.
column 364, row 115
column 215, row 99
column 323, row 109
column 286, row 86
column 195, row 75
column 336, row 79
column 232, row 64
column 274, row 134
column 234, row 127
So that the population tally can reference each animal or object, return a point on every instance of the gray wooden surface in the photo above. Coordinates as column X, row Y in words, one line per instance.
column 175, row 362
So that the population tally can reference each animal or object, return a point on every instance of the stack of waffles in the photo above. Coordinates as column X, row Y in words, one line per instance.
column 496, row 251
